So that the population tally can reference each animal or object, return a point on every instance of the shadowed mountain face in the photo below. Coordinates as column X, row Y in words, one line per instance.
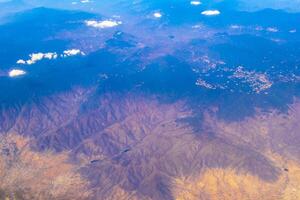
column 136, row 147
column 152, row 104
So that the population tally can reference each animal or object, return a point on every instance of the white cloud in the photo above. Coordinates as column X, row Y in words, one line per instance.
column 16, row 72
column 21, row 62
column 293, row 31
column 157, row 15
column 211, row 12
column 196, row 3
column 235, row 26
column 102, row 24
column 35, row 57
column 197, row 26
column 81, row 1
column 50, row 55
column 40, row 56
column 272, row 29
column 72, row 52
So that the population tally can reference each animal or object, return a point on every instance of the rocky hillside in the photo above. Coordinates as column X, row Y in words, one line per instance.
column 167, row 101
column 136, row 146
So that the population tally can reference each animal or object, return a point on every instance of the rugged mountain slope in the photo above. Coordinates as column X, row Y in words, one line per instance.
column 275, row 135
column 134, row 145
column 146, row 112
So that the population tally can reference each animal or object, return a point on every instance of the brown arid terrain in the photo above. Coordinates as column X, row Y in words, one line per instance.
column 149, row 100
column 113, row 146
column 26, row 174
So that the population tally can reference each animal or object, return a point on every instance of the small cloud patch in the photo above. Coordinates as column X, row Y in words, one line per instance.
column 272, row 29
column 35, row 57
column 72, row 52
column 196, row 3
column 235, row 26
column 157, row 15
column 21, row 62
column 211, row 12
column 197, row 26
column 16, row 72
column 102, row 24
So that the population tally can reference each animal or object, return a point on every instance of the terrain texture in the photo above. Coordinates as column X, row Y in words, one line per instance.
column 149, row 100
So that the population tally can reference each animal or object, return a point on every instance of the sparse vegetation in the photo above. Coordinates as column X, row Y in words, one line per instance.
column 29, row 175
